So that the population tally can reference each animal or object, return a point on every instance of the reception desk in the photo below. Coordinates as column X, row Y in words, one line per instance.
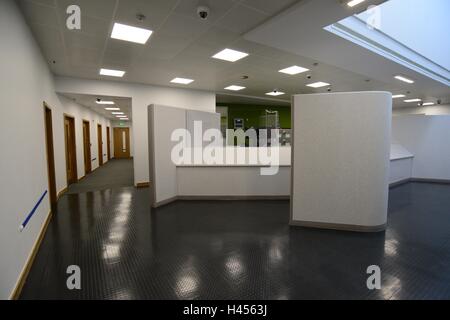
column 197, row 182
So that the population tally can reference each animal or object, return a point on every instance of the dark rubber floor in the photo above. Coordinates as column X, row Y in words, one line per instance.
column 113, row 174
column 239, row 250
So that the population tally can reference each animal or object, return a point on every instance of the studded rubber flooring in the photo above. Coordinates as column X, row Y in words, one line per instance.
column 115, row 173
column 239, row 250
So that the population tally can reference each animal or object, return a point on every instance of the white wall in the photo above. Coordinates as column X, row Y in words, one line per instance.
column 427, row 137
column 430, row 111
column 341, row 152
column 142, row 96
column 25, row 83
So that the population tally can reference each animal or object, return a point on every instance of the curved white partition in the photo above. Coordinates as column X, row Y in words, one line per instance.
column 340, row 160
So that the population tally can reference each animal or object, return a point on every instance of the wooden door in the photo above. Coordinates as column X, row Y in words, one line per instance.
column 50, row 155
column 121, row 143
column 71, row 156
column 108, row 142
column 87, row 147
column 100, row 144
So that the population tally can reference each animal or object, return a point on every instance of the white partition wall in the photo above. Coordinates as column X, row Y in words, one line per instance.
column 163, row 172
column 427, row 137
column 340, row 160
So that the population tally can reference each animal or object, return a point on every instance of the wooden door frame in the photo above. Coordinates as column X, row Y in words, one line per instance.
column 50, row 155
column 87, row 170
column 73, row 146
column 100, row 144
column 108, row 142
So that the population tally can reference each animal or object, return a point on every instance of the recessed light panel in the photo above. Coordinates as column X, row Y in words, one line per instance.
column 293, row 70
column 412, row 100
column 319, row 84
column 404, row 79
column 117, row 112
column 398, row 96
column 275, row 93
column 112, row 109
column 104, row 102
column 234, row 88
column 182, row 81
column 428, row 104
column 354, row 2
column 230, row 55
column 131, row 34
column 112, row 73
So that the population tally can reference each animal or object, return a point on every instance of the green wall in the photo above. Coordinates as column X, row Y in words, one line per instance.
column 251, row 114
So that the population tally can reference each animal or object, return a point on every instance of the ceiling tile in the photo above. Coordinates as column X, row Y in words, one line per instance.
column 155, row 12
column 217, row 36
column 270, row 7
column 48, row 3
column 39, row 14
column 166, row 47
column 122, row 52
column 85, row 57
column 183, row 26
column 241, row 19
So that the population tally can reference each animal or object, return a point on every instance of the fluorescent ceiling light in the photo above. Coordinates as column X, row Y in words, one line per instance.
column 428, row 104
column 319, row 84
column 104, row 102
column 129, row 33
column 293, row 70
column 398, row 96
column 182, row 80
column 230, row 55
column 112, row 109
column 402, row 78
column 120, row 117
column 275, row 93
column 412, row 100
column 234, row 88
column 124, row 119
column 354, row 2
column 112, row 73
column 117, row 113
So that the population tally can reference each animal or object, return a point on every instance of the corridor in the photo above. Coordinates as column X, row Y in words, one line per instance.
column 115, row 173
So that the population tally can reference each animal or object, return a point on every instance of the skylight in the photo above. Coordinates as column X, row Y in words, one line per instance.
column 411, row 33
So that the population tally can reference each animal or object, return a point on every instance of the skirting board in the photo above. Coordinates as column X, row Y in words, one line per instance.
column 143, row 185
column 232, row 198
column 419, row 180
column 61, row 193
column 337, row 226
column 26, row 269
column 218, row 198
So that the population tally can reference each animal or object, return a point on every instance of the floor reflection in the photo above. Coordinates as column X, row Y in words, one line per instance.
column 238, row 250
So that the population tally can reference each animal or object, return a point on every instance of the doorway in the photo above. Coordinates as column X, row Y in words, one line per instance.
column 100, row 144
column 108, row 142
column 87, row 147
column 50, row 155
column 71, row 155
column 122, row 143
